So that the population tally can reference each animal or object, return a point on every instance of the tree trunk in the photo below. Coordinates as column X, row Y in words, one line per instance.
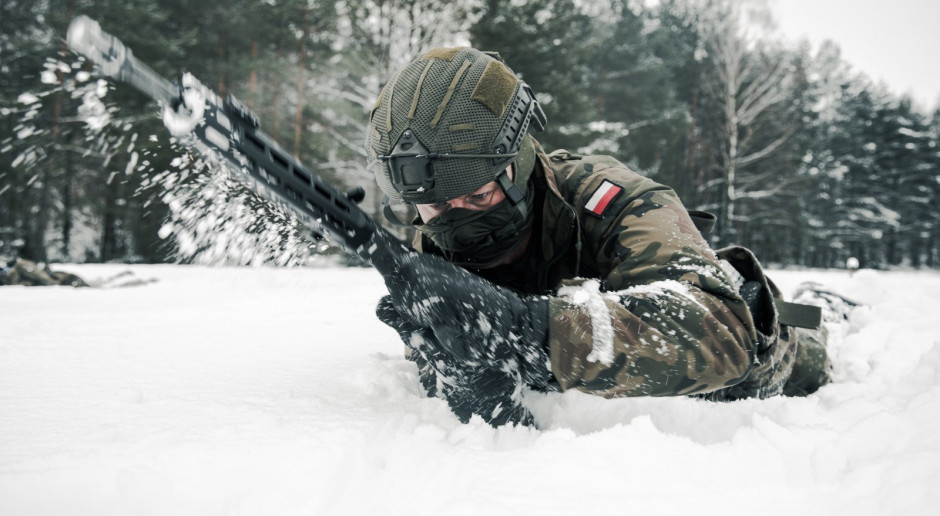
column 37, row 239
column 253, row 75
column 301, row 79
column 222, row 51
column 67, row 202
column 276, row 99
column 109, row 220
column 732, row 84
column 693, row 126
column 931, row 259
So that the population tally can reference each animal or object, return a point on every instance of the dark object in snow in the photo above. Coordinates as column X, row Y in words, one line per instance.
column 31, row 274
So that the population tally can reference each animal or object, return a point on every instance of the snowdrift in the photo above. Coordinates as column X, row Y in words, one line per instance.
column 269, row 391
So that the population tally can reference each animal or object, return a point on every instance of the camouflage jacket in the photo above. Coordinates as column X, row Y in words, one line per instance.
column 641, row 305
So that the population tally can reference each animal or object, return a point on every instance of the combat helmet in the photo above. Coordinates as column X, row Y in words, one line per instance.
column 449, row 123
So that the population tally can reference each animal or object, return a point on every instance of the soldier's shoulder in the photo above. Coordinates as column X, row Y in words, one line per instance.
column 586, row 181
column 568, row 166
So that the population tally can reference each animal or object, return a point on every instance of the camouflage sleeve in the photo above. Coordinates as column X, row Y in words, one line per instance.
column 663, row 318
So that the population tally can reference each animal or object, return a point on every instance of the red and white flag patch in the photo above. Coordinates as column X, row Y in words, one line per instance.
column 602, row 197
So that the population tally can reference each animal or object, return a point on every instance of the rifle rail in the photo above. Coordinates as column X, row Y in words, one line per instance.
column 231, row 131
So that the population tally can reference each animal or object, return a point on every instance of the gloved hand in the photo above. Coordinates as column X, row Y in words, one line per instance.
column 475, row 321
column 491, row 393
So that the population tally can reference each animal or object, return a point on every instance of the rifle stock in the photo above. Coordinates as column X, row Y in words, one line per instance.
column 230, row 131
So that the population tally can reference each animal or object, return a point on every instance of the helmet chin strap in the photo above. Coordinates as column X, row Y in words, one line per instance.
column 515, row 194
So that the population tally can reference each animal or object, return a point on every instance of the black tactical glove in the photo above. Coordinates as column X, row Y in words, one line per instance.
column 475, row 321
column 490, row 393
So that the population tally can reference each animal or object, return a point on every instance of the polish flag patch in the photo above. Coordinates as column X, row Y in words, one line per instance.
column 602, row 197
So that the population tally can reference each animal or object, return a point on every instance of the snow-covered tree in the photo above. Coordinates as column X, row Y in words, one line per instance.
column 748, row 80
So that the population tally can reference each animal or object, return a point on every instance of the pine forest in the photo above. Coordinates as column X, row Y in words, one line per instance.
column 801, row 158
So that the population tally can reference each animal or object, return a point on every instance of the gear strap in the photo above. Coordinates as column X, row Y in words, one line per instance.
column 799, row 315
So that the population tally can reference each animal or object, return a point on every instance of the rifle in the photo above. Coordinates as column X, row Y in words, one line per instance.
column 227, row 131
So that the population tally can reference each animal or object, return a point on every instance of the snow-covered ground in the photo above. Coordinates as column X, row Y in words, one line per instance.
column 250, row 391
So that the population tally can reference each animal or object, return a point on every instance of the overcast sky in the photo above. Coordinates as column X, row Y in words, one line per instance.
column 896, row 41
